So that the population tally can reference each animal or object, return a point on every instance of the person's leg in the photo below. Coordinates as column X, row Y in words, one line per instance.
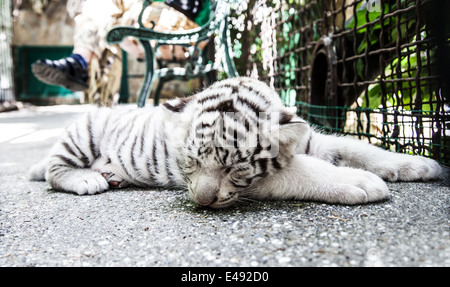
column 69, row 72
column 84, row 52
column 89, row 32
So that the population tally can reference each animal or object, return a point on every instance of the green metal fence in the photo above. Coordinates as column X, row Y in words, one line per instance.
column 374, row 69
column 28, row 87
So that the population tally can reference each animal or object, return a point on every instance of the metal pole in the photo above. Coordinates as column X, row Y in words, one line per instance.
column 6, row 63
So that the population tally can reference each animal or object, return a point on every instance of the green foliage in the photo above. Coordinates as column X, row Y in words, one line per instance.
column 367, row 23
column 363, row 16
column 402, row 92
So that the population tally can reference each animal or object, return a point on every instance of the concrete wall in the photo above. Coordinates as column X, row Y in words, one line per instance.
column 49, row 23
column 42, row 25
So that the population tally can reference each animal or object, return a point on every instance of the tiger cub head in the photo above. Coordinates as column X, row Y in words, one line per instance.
column 239, row 132
column 227, row 153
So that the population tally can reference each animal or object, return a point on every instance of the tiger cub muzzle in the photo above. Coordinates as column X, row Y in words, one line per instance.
column 213, row 188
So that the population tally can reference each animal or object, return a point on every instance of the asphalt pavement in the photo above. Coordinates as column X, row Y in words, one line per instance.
column 138, row 227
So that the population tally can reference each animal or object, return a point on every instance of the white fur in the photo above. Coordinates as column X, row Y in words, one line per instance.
column 309, row 178
column 388, row 165
column 149, row 147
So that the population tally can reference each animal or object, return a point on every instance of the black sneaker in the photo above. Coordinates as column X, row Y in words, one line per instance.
column 66, row 72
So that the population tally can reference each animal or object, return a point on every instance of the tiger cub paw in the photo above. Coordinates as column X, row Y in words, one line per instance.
column 409, row 168
column 360, row 187
column 86, row 183
column 115, row 181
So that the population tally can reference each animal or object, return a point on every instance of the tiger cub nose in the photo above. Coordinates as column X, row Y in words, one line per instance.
column 206, row 202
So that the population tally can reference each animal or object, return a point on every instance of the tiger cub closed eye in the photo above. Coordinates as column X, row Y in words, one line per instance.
column 232, row 142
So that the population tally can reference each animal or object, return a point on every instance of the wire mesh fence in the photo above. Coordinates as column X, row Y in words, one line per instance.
column 373, row 69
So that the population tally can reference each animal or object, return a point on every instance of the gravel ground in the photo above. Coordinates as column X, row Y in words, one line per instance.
column 136, row 227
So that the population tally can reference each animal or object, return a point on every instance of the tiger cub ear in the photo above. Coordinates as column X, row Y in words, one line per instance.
column 177, row 105
column 292, row 128
column 285, row 117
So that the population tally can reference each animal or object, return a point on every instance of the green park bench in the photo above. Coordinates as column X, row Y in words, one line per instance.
column 201, row 63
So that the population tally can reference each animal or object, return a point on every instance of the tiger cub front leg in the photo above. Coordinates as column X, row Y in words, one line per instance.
column 309, row 178
column 72, row 173
column 71, row 159
column 67, row 176
column 77, row 180
column 390, row 166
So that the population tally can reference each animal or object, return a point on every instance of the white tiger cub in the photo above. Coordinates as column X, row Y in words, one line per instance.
column 231, row 142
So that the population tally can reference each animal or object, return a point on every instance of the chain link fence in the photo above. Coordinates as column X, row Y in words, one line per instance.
column 374, row 69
